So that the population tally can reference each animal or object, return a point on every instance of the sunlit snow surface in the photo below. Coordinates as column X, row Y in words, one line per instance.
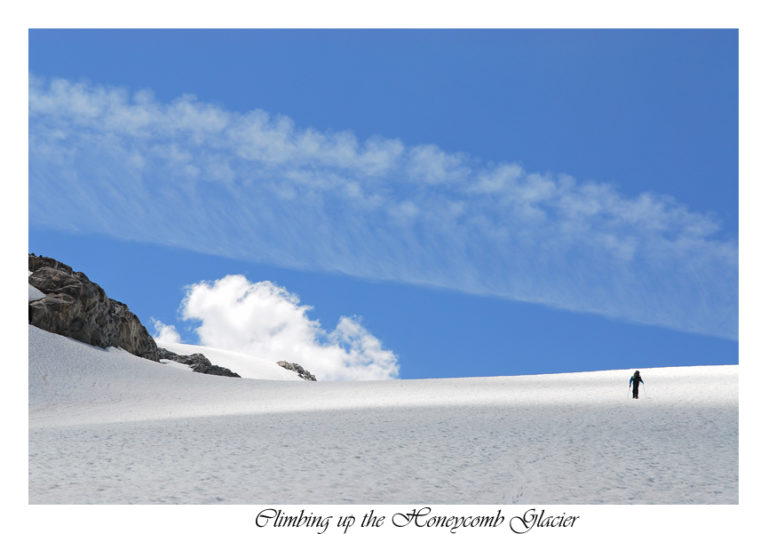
column 108, row 427
column 247, row 366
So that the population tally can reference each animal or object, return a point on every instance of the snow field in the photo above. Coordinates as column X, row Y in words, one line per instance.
column 107, row 427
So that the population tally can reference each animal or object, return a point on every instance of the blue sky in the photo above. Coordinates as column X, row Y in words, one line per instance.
column 478, row 202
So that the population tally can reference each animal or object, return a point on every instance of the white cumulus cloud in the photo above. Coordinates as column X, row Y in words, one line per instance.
column 266, row 320
column 165, row 333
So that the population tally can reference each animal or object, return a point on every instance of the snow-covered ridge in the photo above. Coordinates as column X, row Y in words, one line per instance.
column 246, row 365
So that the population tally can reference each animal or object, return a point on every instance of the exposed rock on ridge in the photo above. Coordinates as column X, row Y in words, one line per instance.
column 198, row 362
column 75, row 307
column 298, row 369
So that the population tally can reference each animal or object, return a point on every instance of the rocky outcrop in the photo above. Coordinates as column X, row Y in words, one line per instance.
column 75, row 307
column 197, row 362
column 298, row 369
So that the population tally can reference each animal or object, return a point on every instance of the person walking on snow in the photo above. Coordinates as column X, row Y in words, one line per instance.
column 634, row 383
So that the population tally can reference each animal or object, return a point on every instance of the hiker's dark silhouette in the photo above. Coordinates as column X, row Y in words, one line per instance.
column 634, row 383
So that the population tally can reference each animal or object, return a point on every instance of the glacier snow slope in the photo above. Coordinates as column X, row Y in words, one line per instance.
column 108, row 427
column 246, row 365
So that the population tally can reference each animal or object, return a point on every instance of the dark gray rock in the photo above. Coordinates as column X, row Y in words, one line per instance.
column 198, row 362
column 298, row 369
column 78, row 308
column 75, row 307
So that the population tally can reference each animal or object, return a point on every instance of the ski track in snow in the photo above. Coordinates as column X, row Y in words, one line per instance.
column 107, row 427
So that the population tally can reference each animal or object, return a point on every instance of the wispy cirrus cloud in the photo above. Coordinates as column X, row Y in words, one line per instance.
column 254, row 186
